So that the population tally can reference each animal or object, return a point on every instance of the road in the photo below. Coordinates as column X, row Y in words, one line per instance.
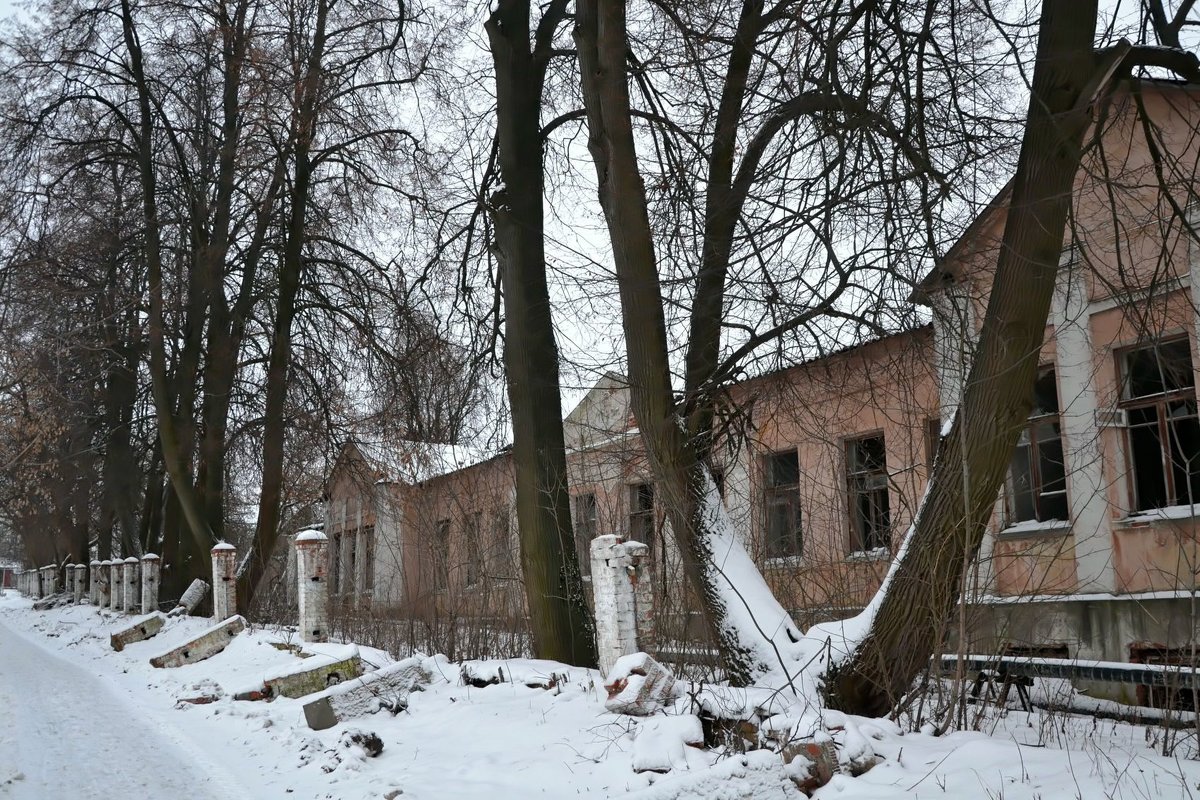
column 64, row 733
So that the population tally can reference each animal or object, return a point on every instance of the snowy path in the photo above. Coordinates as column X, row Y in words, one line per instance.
column 53, row 744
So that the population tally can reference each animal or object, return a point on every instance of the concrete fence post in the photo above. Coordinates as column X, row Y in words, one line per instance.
column 94, row 582
column 312, row 569
column 150, row 570
column 131, row 602
column 78, row 583
column 619, row 583
column 116, row 588
column 103, row 586
column 69, row 580
column 224, row 565
column 49, row 580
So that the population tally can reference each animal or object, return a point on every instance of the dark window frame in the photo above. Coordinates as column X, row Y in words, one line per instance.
column 641, row 522
column 867, row 494
column 1164, row 404
column 367, row 533
column 473, row 567
column 585, row 518
column 1045, row 498
column 441, row 555
column 783, row 520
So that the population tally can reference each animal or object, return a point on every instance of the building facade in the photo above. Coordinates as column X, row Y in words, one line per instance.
column 1093, row 549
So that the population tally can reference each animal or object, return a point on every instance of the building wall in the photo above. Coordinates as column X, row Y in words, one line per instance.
column 1127, row 280
column 1118, row 289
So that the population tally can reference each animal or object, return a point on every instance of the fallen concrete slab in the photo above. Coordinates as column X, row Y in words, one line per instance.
column 206, row 645
column 386, row 688
column 142, row 628
column 312, row 674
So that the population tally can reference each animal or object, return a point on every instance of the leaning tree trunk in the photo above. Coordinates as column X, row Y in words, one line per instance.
column 924, row 587
column 745, row 623
column 561, row 622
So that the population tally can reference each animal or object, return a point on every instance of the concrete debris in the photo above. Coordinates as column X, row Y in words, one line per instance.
column 811, row 763
column 141, row 629
column 385, row 689
column 639, row 686
column 369, row 741
column 191, row 599
column 206, row 645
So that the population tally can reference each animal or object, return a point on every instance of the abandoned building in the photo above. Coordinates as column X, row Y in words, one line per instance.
column 1093, row 550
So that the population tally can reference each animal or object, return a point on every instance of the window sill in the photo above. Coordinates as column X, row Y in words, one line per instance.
column 877, row 554
column 1140, row 519
column 1033, row 527
column 783, row 562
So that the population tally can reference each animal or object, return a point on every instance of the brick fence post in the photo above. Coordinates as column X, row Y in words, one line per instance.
column 616, row 579
column 224, row 566
column 312, row 588
column 150, row 576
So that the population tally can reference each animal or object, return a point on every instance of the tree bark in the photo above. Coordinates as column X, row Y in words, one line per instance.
column 561, row 622
column 676, row 447
column 266, row 532
column 924, row 587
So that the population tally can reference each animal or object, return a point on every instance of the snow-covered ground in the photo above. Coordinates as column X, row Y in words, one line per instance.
column 79, row 720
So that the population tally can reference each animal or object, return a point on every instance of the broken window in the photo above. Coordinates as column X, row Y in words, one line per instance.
column 350, row 575
column 367, row 535
column 867, row 485
column 586, row 528
column 933, row 438
column 501, row 537
column 1037, row 477
column 782, row 504
column 641, row 513
column 335, row 565
column 1159, row 398
column 441, row 555
column 473, row 549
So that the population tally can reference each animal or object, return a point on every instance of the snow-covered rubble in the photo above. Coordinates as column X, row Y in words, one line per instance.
column 524, row 728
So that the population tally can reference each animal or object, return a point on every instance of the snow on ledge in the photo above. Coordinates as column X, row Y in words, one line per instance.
column 1159, row 514
column 1032, row 526
column 311, row 535
column 223, row 546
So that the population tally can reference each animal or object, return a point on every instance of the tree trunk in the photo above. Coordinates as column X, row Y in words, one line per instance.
column 743, row 620
column 266, row 532
column 921, row 593
column 559, row 617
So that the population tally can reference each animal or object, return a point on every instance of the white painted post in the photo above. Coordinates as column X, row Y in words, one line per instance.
column 78, row 583
column 224, row 565
column 150, row 570
column 116, row 588
column 103, row 587
column 131, row 602
column 312, row 568
column 49, row 581
column 614, row 595
column 94, row 582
